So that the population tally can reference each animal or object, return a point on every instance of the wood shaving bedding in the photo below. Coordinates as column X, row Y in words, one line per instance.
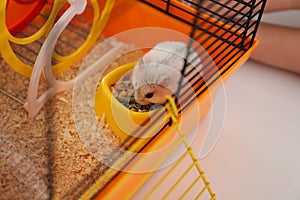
column 45, row 157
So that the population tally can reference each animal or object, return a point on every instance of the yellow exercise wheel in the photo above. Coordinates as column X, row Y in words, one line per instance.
column 19, row 48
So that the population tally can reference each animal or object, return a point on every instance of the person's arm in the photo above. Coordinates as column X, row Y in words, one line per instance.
column 278, row 46
column 276, row 5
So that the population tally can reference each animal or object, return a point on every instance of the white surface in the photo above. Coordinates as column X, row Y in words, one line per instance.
column 257, row 156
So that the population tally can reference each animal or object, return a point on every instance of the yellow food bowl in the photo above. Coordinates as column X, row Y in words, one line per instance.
column 121, row 120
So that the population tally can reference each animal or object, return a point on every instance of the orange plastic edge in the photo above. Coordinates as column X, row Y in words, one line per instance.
column 18, row 14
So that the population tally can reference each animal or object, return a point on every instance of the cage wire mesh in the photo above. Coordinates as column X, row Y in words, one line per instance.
column 26, row 42
column 234, row 36
column 77, row 29
column 227, row 25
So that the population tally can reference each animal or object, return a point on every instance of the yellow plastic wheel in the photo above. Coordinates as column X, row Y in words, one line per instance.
column 98, row 22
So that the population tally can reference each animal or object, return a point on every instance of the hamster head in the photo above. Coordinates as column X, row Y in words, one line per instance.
column 151, row 93
column 153, row 81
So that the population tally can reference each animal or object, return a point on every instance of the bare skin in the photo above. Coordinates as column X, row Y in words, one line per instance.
column 275, row 5
column 279, row 46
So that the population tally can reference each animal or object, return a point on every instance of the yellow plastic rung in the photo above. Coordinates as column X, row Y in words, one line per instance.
column 173, row 113
column 179, row 180
column 159, row 183
column 190, row 187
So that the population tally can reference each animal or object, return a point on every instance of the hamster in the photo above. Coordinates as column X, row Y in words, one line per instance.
column 158, row 72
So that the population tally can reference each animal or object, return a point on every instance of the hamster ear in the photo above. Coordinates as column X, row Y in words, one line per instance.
column 165, row 81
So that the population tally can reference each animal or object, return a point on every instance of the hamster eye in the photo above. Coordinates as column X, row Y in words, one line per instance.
column 149, row 95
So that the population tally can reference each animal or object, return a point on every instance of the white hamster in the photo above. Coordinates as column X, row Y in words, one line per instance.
column 158, row 72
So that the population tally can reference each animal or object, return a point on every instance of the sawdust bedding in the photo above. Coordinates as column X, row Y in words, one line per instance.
column 45, row 157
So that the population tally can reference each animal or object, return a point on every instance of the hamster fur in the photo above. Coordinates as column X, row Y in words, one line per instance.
column 158, row 72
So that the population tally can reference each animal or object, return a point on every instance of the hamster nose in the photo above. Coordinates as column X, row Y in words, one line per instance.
column 149, row 95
